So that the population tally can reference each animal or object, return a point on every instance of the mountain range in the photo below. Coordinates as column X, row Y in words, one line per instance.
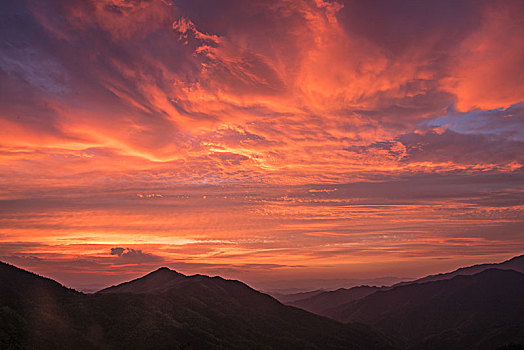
column 446, row 312
column 473, row 307
column 323, row 302
column 479, row 307
column 163, row 310
column 516, row 264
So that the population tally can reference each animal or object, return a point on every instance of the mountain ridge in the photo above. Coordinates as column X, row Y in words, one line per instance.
column 465, row 303
column 516, row 263
column 321, row 303
column 193, row 312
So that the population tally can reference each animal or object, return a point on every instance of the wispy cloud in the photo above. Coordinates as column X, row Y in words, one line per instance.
column 269, row 133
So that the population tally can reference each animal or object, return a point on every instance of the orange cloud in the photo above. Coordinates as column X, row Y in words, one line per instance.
column 487, row 71
column 298, row 137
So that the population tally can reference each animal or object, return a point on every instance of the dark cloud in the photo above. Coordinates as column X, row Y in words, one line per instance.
column 21, row 260
column 135, row 256
column 117, row 251
column 485, row 148
column 405, row 26
column 391, row 148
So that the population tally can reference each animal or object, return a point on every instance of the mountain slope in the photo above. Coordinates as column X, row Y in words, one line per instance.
column 464, row 305
column 165, row 310
column 35, row 311
column 18, row 283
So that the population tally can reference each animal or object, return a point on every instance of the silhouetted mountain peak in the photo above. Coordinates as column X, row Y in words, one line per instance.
column 163, row 268
column 154, row 282
column 165, row 271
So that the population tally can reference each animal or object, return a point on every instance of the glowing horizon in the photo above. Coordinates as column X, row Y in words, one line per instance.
column 271, row 140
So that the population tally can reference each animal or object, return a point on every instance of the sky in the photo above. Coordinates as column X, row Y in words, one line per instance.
column 267, row 141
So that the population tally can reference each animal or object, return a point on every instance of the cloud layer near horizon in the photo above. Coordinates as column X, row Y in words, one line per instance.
column 296, row 136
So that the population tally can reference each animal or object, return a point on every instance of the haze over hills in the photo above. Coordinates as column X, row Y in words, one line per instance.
column 163, row 310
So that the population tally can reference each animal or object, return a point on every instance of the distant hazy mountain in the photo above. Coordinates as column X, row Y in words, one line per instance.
column 478, row 311
column 516, row 263
column 294, row 286
column 322, row 303
column 163, row 310
column 475, row 307
column 290, row 298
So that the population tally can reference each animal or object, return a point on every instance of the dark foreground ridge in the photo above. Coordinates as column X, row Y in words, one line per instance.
column 163, row 310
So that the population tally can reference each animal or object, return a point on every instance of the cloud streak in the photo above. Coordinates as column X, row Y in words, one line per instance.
column 270, row 132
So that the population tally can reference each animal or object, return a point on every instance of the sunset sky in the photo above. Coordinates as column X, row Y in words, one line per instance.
column 260, row 140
